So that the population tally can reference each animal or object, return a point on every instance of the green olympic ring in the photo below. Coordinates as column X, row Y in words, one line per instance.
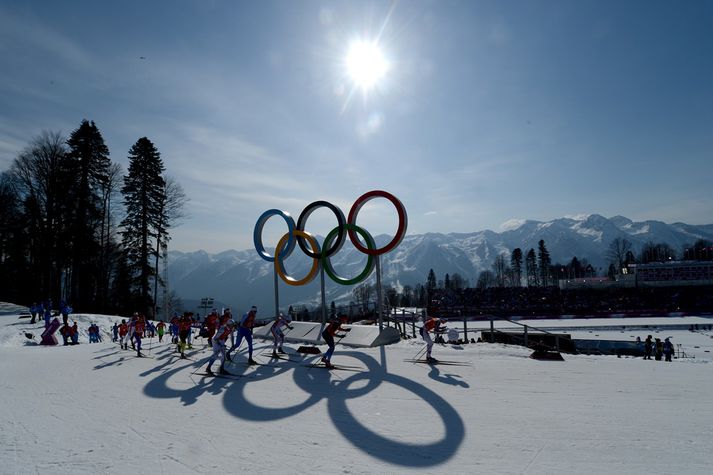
column 327, row 262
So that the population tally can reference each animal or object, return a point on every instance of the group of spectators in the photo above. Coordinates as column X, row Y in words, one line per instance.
column 658, row 348
column 69, row 333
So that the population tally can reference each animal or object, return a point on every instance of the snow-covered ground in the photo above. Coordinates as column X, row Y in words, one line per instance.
column 94, row 408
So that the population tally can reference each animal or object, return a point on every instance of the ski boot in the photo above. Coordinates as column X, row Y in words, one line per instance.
column 183, row 356
column 222, row 370
column 274, row 354
column 209, row 372
column 281, row 351
column 328, row 364
column 139, row 354
column 252, row 362
column 430, row 359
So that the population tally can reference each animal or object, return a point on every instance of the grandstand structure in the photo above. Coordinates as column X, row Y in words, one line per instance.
column 674, row 273
column 653, row 274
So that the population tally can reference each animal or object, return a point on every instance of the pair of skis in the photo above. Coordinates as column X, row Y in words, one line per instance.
column 437, row 362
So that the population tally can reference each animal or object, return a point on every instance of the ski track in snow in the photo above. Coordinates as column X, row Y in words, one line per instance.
column 94, row 408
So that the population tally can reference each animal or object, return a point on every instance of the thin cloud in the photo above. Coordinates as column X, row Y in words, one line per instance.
column 24, row 32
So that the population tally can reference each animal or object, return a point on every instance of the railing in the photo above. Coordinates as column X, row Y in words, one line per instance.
column 525, row 334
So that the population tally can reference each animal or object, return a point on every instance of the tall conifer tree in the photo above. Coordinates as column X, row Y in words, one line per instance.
column 544, row 263
column 144, row 198
column 531, row 269
column 90, row 161
column 516, row 265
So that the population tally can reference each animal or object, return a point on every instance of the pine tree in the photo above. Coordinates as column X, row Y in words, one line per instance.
column 516, row 265
column 544, row 263
column 531, row 269
column 89, row 157
column 144, row 198
column 431, row 285
column 574, row 269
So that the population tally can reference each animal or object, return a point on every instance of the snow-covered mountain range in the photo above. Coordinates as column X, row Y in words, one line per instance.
column 242, row 278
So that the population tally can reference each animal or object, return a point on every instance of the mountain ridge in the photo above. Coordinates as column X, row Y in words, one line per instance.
column 241, row 278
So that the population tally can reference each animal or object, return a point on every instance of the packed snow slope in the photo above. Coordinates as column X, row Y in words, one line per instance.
column 94, row 408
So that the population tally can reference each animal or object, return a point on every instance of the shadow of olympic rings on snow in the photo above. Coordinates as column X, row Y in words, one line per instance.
column 320, row 385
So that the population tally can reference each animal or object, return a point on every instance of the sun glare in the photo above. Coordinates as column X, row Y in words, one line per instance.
column 366, row 64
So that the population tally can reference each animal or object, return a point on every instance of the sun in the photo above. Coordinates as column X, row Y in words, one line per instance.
column 366, row 64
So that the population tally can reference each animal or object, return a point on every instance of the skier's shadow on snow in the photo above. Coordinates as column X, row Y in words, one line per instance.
column 446, row 378
column 320, row 384
column 160, row 387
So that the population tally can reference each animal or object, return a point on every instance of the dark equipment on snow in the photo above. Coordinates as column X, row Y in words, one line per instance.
column 29, row 336
column 546, row 355
column 310, row 350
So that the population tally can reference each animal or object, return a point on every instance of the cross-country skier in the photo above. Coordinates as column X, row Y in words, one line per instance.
column 434, row 325
column 123, row 331
column 160, row 328
column 190, row 330
column 173, row 328
column 225, row 318
column 184, row 330
column 132, row 327
column 219, row 341
column 328, row 334
column 278, row 335
column 211, row 324
column 139, row 328
column 245, row 330
column 115, row 332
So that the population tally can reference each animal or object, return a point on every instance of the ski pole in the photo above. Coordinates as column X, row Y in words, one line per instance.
column 420, row 353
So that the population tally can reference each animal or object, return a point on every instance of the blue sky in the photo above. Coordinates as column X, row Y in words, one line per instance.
column 490, row 111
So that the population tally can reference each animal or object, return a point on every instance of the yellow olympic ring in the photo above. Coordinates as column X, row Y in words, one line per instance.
column 279, row 263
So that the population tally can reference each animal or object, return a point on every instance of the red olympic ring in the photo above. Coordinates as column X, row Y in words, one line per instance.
column 400, row 232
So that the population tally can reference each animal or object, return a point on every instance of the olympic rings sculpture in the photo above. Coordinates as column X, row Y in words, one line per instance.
column 333, row 242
